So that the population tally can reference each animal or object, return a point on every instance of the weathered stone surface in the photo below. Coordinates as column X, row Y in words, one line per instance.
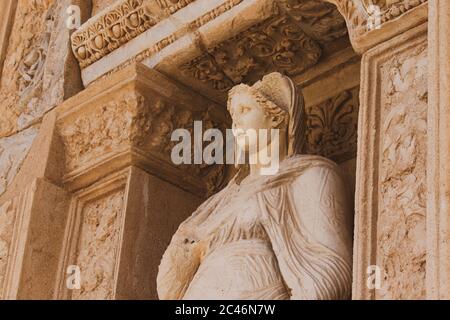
column 391, row 203
column 99, row 5
column 98, row 246
column 8, row 10
column 39, row 72
column 401, row 220
column 13, row 151
column 438, row 148
column 198, row 49
column 105, row 131
column 33, row 78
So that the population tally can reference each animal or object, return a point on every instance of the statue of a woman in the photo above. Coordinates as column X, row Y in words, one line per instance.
column 282, row 236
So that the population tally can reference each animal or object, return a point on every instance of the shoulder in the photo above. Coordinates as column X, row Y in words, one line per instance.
column 311, row 167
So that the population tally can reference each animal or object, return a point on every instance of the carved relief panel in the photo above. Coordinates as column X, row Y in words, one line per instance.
column 391, row 204
column 401, row 233
column 293, row 40
column 23, row 67
column 13, row 212
column 92, row 241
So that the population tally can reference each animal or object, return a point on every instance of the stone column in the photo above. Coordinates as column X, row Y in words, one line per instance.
column 32, row 221
column 438, row 167
column 128, row 198
column 391, row 195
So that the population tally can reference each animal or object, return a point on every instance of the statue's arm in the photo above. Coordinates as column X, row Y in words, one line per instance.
column 178, row 266
column 323, row 206
column 322, row 203
column 311, row 236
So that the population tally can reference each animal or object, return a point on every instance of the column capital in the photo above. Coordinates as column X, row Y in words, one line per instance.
column 127, row 120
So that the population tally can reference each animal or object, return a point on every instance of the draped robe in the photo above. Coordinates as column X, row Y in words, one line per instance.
column 307, row 221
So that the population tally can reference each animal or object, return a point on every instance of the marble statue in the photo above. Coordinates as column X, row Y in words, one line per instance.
column 282, row 236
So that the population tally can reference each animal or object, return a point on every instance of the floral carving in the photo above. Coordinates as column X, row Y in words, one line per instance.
column 125, row 21
column 108, row 128
column 401, row 221
column 22, row 76
column 172, row 6
column 332, row 126
column 278, row 44
column 168, row 6
column 133, row 121
column 98, row 246
column 390, row 9
column 358, row 13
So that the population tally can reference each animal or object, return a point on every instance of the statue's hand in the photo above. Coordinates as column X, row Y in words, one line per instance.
column 179, row 265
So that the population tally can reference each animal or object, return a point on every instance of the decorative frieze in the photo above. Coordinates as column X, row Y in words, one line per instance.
column 172, row 6
column 125, row 21
column 109, row 131
column 107, row 128
column 279, row 44
column 318, row 19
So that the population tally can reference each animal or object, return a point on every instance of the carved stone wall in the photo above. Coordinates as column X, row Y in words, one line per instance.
column 402, row 186
column 108, row 148
column 13, row 151
column 96, row 224
column 391, row 205
column 38, row 73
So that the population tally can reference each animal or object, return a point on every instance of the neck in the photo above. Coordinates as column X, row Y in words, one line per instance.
column 267, row 159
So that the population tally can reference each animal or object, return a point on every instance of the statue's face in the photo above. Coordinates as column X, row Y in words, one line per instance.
column 247, row 114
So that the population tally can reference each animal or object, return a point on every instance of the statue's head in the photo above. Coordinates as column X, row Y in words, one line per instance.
column 272, row 103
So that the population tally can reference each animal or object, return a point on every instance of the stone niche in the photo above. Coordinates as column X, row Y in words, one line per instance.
column 101, row 159
column 108, row 148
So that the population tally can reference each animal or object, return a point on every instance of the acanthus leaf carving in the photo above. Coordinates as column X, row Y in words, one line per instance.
column 332, row 126
column 132, row 121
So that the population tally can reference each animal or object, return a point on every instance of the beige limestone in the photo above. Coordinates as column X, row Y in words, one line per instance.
column 391, row 206
column 8, row 10
column 438, row 143
column 195, row 63
column 13, row 151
